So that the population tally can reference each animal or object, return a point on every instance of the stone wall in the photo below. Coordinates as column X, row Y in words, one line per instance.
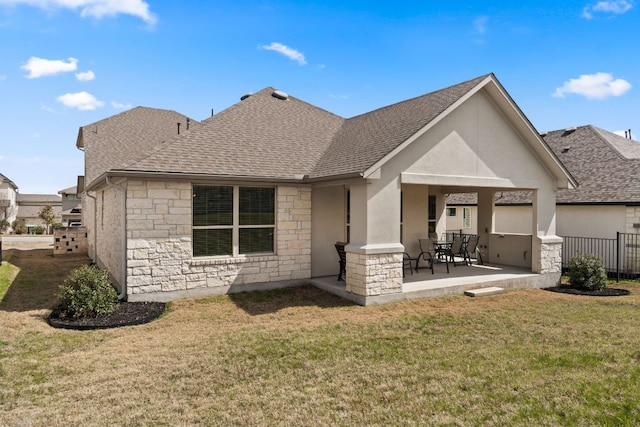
column 70, row 240
column 160, row 265
column 108, row 226
column 374, row 274
column 550, row 259
column 631, row 256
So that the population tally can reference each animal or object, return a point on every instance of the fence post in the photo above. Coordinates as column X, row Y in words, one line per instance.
column 617, row 256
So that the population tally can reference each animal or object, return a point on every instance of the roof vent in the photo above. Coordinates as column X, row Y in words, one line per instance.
column 569, row 130
column 243, row 97
column 280, row 95
column 566, row 149
column 543, row 133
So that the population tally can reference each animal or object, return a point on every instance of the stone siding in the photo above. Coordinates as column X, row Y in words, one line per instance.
column 160, row 265
column 70, row 240
column 109, row 232
column 551, row 258
column 632, row 251
column 374, row 274
column 632, row 218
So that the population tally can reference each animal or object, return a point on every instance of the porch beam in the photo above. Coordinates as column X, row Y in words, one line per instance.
column 466, row 181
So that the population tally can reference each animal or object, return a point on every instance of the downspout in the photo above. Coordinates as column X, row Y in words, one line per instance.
column 95, row 226
column 123, row 214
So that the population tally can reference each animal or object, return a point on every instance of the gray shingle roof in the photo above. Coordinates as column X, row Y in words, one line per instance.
column 261, row 136
column 606, row 166
column 32, row 199
column 117, row 141
column 266, row 137
column 365, row 139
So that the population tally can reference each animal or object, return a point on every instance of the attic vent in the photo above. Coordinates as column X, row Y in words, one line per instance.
column 280, row 95
column 566, row 149
column 243, row 97
column 570, row 130
column 543, row 133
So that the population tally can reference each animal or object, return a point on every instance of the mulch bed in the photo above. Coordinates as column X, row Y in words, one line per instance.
column 127, row 314
column 606, row 292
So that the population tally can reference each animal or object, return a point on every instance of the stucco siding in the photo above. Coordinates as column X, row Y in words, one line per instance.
column 591, row 221
column 329, row 226
column 160, row 262
column 474, row 141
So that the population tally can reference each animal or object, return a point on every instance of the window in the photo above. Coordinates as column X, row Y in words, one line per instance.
column 466, row 218
column 233, row 220
column 452, row 211
column 432, row 214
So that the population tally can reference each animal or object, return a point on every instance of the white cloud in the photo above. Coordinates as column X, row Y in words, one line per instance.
column 594, row 86
column 616, row 7
column 290, row 53
column 120, row 106
column 480, row 24
column 94, row 8
column 83, row 101
column 39, row 67
column 86, row 76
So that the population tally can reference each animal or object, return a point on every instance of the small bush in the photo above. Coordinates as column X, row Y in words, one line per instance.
column 87, row 292
column 38, row 229
column 587, row 272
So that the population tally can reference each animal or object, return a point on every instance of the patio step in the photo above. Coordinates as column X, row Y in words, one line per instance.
column 492, row 290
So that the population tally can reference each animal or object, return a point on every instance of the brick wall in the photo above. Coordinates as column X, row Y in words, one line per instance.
column 160, row 265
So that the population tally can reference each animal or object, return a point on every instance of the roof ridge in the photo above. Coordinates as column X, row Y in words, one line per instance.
column 413, row 98
column 616, row 142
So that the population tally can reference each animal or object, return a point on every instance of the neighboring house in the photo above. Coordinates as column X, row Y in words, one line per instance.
column 607, row 200
column 29, row 206
column 71, row 206
column 256, row 196
column 8, row 204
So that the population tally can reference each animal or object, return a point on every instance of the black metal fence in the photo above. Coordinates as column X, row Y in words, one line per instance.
column 620, row 256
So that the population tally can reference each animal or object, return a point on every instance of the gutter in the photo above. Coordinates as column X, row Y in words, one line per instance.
column 195, row 178
column 123, row 213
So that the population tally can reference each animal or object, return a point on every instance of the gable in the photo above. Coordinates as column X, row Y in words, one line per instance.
column 473, row 146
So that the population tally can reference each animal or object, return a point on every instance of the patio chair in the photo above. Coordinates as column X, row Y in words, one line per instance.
column 456, row 249
column 342, row 260
column 471, row 249
column 407, row 261
column 428, row 253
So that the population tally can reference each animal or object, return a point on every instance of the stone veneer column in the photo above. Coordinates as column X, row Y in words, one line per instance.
column 550, row 260
column 374, row 270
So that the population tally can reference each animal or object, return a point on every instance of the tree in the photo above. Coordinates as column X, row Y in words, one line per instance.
column 47, row 215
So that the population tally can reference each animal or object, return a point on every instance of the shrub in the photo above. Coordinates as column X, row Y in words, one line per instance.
column 19, row 226
column 87, row 292
column 38, row 229
column 587, row 272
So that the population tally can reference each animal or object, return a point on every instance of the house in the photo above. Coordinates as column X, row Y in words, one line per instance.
column 8, row 205
column 255, row 196
column 606, row 165
column 30, row 205
column 71, row 206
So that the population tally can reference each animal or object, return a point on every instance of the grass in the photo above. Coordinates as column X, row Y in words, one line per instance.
column 303, row 357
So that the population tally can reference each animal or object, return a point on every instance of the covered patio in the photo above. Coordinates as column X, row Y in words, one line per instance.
column 482, row 144
column 423, row 284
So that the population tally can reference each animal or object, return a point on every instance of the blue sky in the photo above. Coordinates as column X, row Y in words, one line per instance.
column 68, row 63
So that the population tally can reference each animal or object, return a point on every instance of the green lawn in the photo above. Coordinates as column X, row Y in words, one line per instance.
column 303, row 357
